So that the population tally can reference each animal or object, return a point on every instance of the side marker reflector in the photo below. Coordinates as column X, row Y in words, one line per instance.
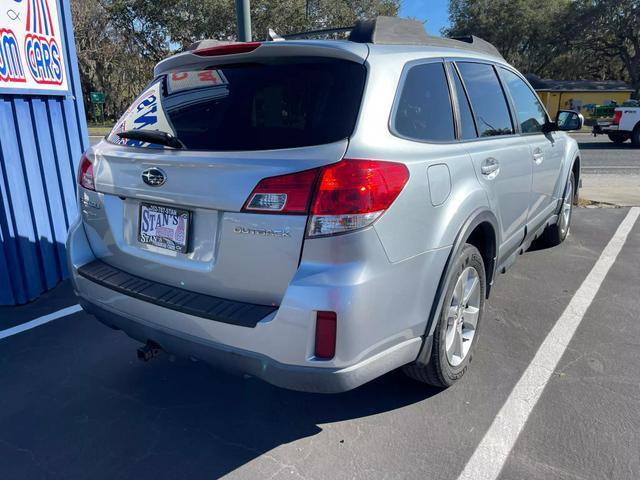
column 326, row 326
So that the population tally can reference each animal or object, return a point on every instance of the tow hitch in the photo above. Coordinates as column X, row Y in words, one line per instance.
column 149, row 351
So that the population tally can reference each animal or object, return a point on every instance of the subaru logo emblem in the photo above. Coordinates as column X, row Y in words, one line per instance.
column 154, row 177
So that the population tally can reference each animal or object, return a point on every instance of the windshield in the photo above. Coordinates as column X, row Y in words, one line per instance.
column 250, row 106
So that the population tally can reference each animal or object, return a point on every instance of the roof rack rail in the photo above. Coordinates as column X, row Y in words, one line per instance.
column 317, row 33
column 477, row 44
column 395, row 31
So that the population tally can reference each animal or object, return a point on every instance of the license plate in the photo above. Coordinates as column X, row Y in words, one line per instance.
column 164, row 227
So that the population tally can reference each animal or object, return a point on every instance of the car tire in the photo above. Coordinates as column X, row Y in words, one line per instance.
column 635, row 136
column 459, row 321
column 618, row 138
column 556, row 234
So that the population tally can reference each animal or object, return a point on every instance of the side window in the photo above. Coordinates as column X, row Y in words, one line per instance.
column 467, row 125
column 530, row 113
column 487, row 98
column 424, row 110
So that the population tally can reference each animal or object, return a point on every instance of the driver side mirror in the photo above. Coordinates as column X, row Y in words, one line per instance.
column 567, row 120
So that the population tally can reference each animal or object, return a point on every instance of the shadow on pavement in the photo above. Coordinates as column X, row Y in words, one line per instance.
column 538, row 244
column 606, row 145
column 90, row 410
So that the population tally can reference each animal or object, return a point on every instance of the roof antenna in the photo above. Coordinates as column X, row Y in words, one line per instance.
column 272, row 36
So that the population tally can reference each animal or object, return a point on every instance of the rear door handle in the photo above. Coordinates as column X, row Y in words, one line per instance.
column 490, row 168
column 538, row 156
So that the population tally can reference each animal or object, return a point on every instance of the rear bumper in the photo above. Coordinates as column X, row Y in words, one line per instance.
column 234, row 360
column 606, row 128
column 381, row 316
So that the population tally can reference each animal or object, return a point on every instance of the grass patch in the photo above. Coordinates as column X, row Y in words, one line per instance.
column 99, row 130
column 585, row 203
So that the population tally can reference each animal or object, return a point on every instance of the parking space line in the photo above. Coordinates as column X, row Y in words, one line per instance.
column 39, row 321
column 604, row 167
column 492, row 452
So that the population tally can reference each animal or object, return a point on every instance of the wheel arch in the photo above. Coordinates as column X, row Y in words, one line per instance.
column 571, row 162
column 481, row 230
column 575, row 168
column 635, row 134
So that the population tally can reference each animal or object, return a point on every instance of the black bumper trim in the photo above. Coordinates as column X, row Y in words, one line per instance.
column 183, row 301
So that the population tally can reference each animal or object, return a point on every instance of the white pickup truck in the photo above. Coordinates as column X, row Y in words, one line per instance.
column 624, row 126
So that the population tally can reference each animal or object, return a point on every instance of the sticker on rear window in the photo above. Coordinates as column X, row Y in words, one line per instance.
column 183, row 81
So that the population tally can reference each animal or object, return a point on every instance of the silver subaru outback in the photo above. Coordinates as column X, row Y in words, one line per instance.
column 317, row 213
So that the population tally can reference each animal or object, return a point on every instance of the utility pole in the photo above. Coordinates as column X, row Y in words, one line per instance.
column 243, row 17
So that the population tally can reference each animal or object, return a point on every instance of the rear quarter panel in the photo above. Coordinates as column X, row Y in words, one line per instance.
column 414, row 224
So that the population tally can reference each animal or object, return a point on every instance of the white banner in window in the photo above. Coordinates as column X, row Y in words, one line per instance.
column 146, row 113
column 31, row 47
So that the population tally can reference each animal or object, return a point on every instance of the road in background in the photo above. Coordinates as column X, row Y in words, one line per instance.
column 601, row 156
column 611, row 172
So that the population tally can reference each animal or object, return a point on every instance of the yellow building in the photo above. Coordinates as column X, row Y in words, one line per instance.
column 578, row 94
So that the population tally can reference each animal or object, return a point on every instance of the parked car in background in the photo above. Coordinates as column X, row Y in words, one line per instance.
column 317, row 213
column 624, row 126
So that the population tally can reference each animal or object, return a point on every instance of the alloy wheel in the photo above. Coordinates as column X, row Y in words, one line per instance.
column 567, row 206
column 462, row 316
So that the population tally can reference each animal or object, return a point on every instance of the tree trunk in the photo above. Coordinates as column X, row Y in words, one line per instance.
column 634, row 73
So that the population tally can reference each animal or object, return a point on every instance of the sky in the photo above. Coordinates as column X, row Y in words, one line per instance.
column 435, row 12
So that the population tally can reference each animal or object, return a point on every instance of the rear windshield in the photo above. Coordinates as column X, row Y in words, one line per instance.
column 250, row 106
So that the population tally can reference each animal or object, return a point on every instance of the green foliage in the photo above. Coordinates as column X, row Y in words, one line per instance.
column 525, row 31
column 119, row 41
column 613, row 34
column 567, row 39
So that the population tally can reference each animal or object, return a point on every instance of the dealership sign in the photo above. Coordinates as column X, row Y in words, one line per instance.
column 31, row 47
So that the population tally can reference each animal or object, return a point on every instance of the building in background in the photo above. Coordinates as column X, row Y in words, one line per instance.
column 580, row 95
column 42, row 135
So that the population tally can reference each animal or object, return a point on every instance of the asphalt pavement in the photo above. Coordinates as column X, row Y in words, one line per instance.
column 610, row 172
column 601, row 156
column 76, row 404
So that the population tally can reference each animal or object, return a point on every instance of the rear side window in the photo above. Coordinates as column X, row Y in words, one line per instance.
column 531, row 115
column 467, row 125
column 424, row 109
column 487, row 98
column 251, row 106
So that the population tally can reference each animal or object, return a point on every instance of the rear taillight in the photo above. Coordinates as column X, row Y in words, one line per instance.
column 228, row 49
column 326, row 327
column 341, row 197
column 617, row 115
column 283, row 194
column 85, row 173
column 352, row 194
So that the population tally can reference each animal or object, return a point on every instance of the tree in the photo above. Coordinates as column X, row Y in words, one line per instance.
column 110, row 57
column 186, row 21
column 528, row 33
column 567, row 39
column 612, row 30
column 119, row 41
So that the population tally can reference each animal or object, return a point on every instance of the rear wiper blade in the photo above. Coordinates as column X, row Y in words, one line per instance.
column 152, row 136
